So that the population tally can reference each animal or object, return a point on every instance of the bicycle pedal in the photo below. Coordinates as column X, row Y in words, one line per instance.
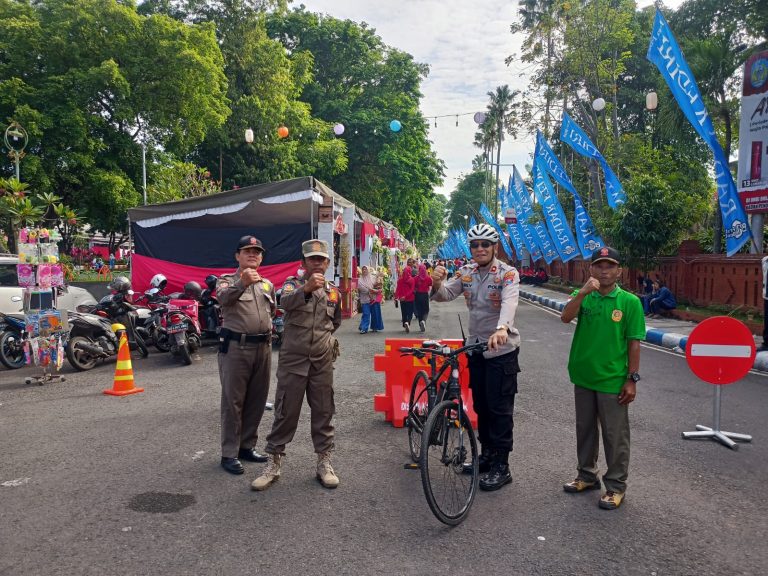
column 411, row 466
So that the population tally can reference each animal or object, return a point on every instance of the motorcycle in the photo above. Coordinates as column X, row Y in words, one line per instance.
column 183, row 328
column 11, row 341
column 151, row 319
column 91, row 337
column 210, row 313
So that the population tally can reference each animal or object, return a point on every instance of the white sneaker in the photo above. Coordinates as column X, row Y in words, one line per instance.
column 422, row 325
column 407, row 327
column 325, row 474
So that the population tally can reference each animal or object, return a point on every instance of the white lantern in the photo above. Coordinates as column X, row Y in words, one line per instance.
column 249, row 136
column 598, row 104
column 651, row 100
column 338, row 129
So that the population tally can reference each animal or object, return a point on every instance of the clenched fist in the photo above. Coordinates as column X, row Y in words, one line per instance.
column 314, row 282
column 591, row 285
column 438, row 275
column 249, row 276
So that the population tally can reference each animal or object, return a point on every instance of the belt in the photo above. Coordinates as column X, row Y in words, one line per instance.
column 243, row 338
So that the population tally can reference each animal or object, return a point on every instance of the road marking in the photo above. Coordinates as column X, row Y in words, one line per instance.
column 722, row 350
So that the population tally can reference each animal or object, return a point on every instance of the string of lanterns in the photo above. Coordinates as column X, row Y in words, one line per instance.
column 394, row 126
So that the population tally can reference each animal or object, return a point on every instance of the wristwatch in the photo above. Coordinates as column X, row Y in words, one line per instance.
column 634, row 376
column 502, row 327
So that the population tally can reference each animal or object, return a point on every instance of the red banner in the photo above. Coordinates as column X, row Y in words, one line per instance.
column 143, row 268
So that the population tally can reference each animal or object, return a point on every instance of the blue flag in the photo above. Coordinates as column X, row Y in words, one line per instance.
column 576, row 138
column 486, row 214
column 460, row 237
column 472, row 221
column 535, row 234
column 664, row 52
column 586, row 234
column 561, row 234
column 516, row 229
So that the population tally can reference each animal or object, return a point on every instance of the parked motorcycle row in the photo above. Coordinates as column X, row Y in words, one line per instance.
column 176, row 323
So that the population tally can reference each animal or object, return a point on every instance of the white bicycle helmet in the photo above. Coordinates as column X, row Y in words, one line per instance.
column 158, row 281
column 483, row 232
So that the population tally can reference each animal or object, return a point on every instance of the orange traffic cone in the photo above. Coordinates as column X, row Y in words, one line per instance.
column 123, row 371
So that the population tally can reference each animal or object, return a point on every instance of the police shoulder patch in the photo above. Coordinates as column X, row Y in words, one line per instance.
column 289, row 286
column 509, row 277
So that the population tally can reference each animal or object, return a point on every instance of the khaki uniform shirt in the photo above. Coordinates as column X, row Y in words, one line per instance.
column 491, row 297
column 310, row 322
column 247, row 310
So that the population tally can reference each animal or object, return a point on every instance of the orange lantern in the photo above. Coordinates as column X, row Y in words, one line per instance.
column 282, row 132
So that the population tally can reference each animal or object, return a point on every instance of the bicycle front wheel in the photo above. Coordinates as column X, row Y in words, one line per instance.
column 448, row 442
column 417, row 413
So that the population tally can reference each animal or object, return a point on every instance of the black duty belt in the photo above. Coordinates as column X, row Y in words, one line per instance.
column 243, row 338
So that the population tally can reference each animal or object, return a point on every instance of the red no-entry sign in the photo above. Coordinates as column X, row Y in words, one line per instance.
column 720, row 350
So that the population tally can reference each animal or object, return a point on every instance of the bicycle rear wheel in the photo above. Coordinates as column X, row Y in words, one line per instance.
column 417, row 413
column 448, row 442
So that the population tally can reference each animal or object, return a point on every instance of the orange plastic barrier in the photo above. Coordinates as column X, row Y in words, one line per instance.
column 123, row 384
column 399, row 372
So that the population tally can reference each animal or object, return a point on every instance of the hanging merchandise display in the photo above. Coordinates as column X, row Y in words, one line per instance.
column 45, row 328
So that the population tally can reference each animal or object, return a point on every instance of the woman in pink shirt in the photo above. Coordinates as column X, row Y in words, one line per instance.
column 405, row 294
column 421, row 301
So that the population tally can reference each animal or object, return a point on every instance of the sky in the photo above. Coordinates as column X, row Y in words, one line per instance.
column 465, row 44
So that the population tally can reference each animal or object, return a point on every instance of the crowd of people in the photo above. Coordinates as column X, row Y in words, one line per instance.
column 603, row 363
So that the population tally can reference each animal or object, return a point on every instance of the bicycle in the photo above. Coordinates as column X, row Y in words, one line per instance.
column 441, row 437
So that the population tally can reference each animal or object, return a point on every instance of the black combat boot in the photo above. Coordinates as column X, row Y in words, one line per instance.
column 484, row 462
column 499, row 474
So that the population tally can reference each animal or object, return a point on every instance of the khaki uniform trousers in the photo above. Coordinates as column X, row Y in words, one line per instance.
column 244, row 374
column 317, row 385
column 593, row 407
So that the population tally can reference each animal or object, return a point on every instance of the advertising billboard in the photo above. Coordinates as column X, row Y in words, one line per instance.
column 753, row 135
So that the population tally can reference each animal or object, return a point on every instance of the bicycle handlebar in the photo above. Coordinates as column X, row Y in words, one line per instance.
column 451, row 353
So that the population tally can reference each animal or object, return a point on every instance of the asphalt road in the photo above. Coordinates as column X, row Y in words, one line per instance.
column 92, row 484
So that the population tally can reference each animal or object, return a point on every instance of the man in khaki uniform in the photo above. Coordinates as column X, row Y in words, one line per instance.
column 312, row 313
column 245, row 355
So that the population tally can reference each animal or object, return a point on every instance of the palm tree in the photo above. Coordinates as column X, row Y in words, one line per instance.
column 503, row 109
column 486, row 139
column 540, row 19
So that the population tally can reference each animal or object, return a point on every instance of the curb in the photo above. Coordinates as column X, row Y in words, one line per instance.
column 670, row 340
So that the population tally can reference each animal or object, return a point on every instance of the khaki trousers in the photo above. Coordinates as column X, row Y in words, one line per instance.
column 244, row 374
column 317, row 385
column 593, row 408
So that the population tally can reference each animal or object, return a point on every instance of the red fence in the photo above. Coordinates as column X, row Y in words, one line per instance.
column 701, row 279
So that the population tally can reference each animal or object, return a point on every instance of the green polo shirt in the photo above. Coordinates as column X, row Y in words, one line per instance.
column 606, row 324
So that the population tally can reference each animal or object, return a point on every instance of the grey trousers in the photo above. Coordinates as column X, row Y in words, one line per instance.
column 593, row 408
column 317, row 385
column 244, row 374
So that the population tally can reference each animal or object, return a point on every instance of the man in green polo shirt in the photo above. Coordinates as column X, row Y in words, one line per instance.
column 603, row 365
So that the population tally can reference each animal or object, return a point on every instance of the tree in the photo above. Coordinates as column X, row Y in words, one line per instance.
column 503, row 110
column 90, row 80
column 465, row 199
column 541, row 19
column 264, row 87
column 20, row 206
column 668, row 197
column 358, row 81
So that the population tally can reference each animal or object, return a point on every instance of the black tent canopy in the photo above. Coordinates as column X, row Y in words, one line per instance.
column 202, row 231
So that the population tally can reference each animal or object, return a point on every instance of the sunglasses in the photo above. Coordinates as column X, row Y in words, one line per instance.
column 480, row 244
